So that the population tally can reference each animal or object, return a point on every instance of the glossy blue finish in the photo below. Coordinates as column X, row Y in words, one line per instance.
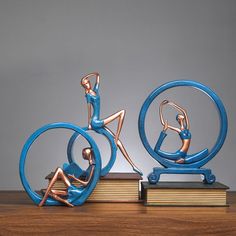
column 178, row 154
column 81, row 193
column 201, row 158
column 208, row 177
column 97, row 125
column 105, row 170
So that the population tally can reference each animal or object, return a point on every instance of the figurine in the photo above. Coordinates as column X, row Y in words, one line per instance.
column 179, row 156
column 72, row 191
column 73, row 196
column 180, row 162
column 99, row 125
column 71, row 170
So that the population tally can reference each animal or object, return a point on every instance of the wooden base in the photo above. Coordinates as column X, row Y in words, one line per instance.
column 19, row 216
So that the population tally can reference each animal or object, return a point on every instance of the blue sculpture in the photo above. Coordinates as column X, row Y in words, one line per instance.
column 181, row 162
column 179, row 156
column 72, row 171
column 79, row 195
column 98, row 125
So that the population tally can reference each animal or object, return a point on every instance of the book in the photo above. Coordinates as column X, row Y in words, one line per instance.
column 184, row 194
column 114, row 187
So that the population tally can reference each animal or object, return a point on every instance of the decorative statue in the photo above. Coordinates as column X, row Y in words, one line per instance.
column 73, row 196
column 72, row 192
column 180, row 162
column 179, row 156
column 72, row 170
column 98, row 125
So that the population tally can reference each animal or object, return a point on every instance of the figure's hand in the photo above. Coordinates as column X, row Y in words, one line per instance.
column 165, row 102
column 71, row 176
column 165, row 127
column 89, row 127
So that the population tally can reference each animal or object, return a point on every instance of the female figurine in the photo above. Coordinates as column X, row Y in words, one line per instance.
column 179, row 156
column 94, row 121
column 72, row 192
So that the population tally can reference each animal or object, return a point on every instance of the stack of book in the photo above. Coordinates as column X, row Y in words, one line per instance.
column 184, row 194
column 114, row 187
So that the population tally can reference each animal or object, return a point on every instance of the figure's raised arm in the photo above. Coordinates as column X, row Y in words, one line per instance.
column 84, row 182
column 87, row 78
column 181, row 109
column 160, row 111
column 165, row 123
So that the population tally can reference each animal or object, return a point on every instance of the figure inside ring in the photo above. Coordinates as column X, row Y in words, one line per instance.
column 94, row 121
column 179, row 156
column 72, row 192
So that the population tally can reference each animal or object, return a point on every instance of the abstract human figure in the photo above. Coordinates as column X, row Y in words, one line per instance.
column 94, row 121
column 72, row 192
column 179, row 156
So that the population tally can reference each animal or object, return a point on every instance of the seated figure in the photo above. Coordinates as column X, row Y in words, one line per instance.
column 72, row 192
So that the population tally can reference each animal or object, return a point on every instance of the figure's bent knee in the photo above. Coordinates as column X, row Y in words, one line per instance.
column 59, row 170
column 119, row 143
column 122, row 113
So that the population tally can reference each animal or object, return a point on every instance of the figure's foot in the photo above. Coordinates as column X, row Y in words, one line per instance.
column 68, row 204
column 41, row 204
column 137, row 170
column 180, row 161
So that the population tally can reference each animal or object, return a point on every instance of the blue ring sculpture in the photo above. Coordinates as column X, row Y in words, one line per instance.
column 105, row 170
column 176, row 168
column 85, row 192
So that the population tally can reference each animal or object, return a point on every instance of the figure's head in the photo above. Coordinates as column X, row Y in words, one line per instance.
column 87, row 154
column 86, row 83
column 180, row 118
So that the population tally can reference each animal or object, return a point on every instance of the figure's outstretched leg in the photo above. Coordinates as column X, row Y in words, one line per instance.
column 58, row 173
column 54, row 194
column 120, row 115
column 170, row 156
column 125, row 153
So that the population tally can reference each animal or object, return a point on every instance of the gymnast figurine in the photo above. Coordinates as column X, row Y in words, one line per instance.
column 179, row 156
column 72, row 191
column 94, row 121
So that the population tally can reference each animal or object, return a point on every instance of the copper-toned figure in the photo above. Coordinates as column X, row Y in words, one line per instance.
column 180, row 161
column 179, row 156
column 62, row 195
column 94, row 121
column 183, row 130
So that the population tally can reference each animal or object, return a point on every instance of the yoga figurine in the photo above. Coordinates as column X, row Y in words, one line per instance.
column 179, row 156
column 94, row 121
column 72, row 191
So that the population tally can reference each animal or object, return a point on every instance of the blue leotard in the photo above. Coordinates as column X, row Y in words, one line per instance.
column 185, row 134
column 94, row 100
column 73, row 191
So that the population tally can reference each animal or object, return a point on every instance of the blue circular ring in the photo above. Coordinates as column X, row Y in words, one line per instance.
column 221, row 112
column 105, row 170
column 88, row 189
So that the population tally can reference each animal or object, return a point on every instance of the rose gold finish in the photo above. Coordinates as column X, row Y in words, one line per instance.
column 182, row 120
column 123, row 151
column 85, row 82
column 120, row 115
column 185, row 145
column 59, row 174
column 180, row 161
column 185, row 116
